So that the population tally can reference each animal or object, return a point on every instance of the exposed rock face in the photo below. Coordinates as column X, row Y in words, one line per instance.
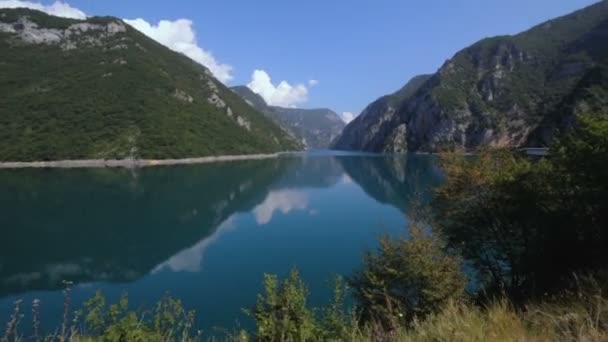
column 369, row 130
column 243, row 122
column 77, row 35
column 216, row 100
column 183, row 96
column 314, row 128
column 497, row 92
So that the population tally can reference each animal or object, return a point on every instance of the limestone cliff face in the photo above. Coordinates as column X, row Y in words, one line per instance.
column 379, row 121
column 506, row 91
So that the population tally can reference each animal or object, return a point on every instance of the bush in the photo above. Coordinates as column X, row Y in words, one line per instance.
column 528, row 225
column 281, row 313
column 169, row 321
column 407, row 279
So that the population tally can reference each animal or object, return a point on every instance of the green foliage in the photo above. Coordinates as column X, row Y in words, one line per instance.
column 169, row 321
column 573, row 318
column 117, row 100
column 281, row 313
column 338, row 322
column 578, row 316
column 528, row 225
column 408, row 279
column 520, row 90
column 408, row 90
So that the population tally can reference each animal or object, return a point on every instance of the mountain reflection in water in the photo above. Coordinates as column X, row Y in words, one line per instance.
column 225, row 224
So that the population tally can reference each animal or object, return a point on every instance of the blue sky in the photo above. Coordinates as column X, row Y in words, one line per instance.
column 358, row 50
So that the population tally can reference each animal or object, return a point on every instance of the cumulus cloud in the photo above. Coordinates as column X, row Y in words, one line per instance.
column 179, row 35
column 284, row 201
column 283, row 94
column 191, row 259
column 346, row 179
column 347, row 117
column 58, row 8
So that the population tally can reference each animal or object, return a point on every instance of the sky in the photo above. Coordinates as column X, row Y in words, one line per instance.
column 339, row 54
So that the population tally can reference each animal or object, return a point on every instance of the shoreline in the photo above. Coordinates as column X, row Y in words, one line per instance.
column 132, row 163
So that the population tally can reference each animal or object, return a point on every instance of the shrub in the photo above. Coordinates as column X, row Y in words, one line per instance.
column 169, row 321
column 528, row 225
column 407, row 279
column 281, row 313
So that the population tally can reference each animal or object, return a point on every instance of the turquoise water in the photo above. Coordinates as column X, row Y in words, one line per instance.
column 203, row 233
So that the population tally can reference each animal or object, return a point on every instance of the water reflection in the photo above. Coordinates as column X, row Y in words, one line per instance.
column 191, row 259
column 92, row 225
column 120, row 225
column 282, row 200
column 398, row 180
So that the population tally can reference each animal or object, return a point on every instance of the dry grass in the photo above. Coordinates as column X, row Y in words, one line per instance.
column 583, row 320
column 574, row 317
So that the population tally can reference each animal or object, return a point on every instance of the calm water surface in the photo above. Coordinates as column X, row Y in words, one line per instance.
column 203, row 233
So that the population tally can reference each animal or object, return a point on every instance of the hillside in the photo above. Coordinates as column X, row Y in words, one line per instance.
column 506, row 91
column 370, row 130
column 315, row 128
column 99, row 89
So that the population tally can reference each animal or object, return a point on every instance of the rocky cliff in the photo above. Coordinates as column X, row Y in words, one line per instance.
column 505, row 91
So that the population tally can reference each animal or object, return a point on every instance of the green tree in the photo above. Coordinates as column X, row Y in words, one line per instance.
column 338, row 321
column 528, row 225
column 281, row 313
column 407, row 279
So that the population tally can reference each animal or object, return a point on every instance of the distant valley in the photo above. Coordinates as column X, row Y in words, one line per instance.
column 314, row 128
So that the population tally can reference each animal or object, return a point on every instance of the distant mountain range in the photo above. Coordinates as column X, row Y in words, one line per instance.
column 99, row 89
column 506, row 91
column 314, row 128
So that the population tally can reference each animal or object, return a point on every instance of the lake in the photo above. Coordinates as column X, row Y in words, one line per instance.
column 203, row 233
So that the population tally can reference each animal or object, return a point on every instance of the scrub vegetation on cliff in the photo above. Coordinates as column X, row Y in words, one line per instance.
column 106, row 91
column 505, row 91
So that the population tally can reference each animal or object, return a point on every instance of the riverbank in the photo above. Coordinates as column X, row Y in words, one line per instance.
column 132, row 163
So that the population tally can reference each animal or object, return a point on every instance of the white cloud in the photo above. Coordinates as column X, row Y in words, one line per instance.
column 348, row 117
column 179, row 35
column 58, row 8
column 283, row 94
column 191, row 259
column 283, row 200
column 312, row 83
column 346, row 179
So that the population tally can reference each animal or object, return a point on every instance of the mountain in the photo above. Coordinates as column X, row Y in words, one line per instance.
column 506, row 91
column 98, row 88
column 315, row 128
column 369, row 130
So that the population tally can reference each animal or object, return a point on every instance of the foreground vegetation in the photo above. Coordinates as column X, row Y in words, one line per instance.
column 531, row 235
